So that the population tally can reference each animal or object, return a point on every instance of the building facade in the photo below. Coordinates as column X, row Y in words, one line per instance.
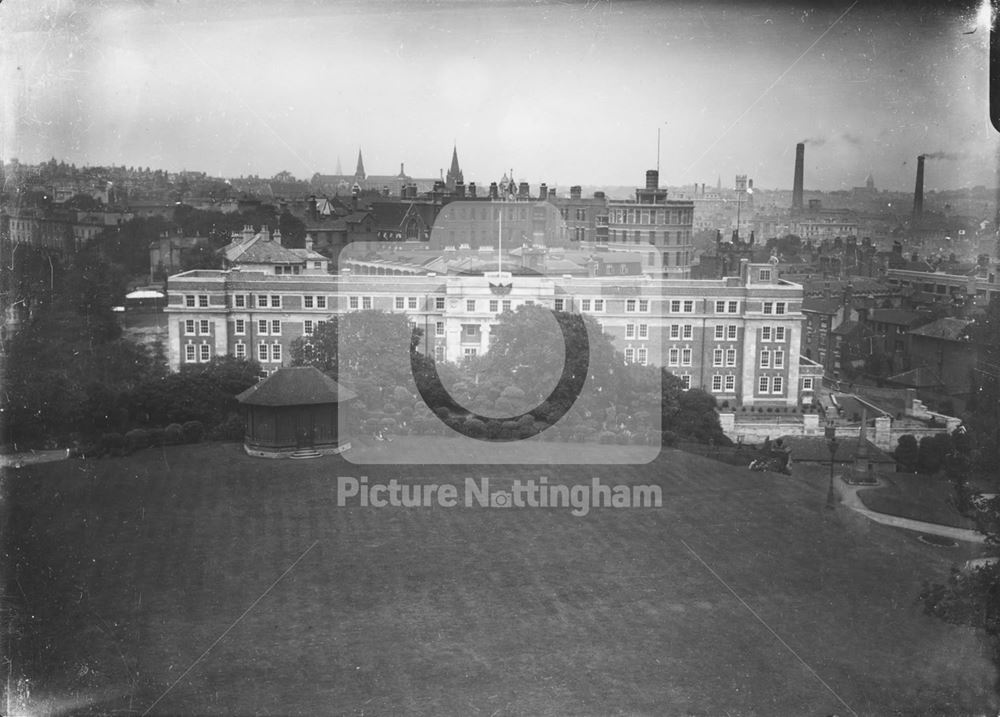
column 737, row 338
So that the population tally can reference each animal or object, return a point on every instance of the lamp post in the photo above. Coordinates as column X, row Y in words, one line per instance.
column 831, row 437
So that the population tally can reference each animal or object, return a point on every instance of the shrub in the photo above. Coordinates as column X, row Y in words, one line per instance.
column 725, row 404
column 157, row 436
column 668, row 438
column 173, row 434
column 231, row 429
column 401, row 395
column 112, row 444
column 474, row 427
column 137, row 439
column 193, row 431
column 606, row 437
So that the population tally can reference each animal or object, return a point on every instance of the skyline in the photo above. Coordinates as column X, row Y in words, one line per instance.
column 562, row 92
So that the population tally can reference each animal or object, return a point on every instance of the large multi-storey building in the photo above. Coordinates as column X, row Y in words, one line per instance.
column 737, row 337
column 657, row 227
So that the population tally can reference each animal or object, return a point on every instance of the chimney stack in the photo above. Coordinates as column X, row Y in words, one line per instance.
column 652, row 179
column 494, row 191
column 800, row 160
column 472, row 190
column 575, row 192
column 523, row 190
column 918, row 191
column 543, row 192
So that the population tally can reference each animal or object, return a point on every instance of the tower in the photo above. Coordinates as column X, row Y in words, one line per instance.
column 359, row 173
column 918, row 190
column 454, row 175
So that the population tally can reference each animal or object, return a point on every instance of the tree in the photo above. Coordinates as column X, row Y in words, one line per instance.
column 933, row 450
column 907, row 452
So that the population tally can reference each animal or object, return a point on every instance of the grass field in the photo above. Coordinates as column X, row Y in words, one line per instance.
column 920, row 497
column 197, row 580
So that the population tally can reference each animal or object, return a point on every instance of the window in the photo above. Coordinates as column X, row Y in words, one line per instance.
column 779, row 333
column 720, row 307
column 685, row 357
column 439, row 303
column 777, row 384
column 470, row 304
column 262, row 352
column 471, row 330
column 765, row 359
column 765, row 275
column 765, row 333
column 262, row 327
column 203, row 327
column 240, row 328
column 720, row 333
column 598, row 304
column 559, row 303
column 716, row 383
column 641, row 356
column 470, row 351
column 630, row 305
column 189, row 300
column 643, row 304
column 688, row 306
column 189, row 327
column 439, row 353
column 717, row 357
column 400, row 302
column 686, row 381
column 240, row 301
column 734, row 307
column 189, row 354
column 768, row 307
column 275, row 301
column 730, row 357
column 352, row 302
column 439, row 328
column 307, row 302
column 203, row 300
column 366, row 303
column 763, row 384
column 240, row 350
column 675, row 331
column 730, row 383
column 688, row 331
column 779, row 359
column 205, row 352
column 731, row 332
column 505, row 305
column 675, row 306
column 276, row 352
column 807, row 383
column 308, row 327
column 643, row 331
column 630, row 331
column 779, row 308
column 630, row 355
column 494, row 306
column 411, row 302
column 320, row 302
column 673, row 357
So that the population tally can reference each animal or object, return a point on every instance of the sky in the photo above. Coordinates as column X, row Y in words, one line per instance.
column 561, row 91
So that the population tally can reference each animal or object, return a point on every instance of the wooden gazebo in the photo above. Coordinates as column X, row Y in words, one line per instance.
column 292, row 410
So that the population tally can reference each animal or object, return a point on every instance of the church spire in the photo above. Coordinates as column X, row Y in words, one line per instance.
column 359, row 173
column 454, row 172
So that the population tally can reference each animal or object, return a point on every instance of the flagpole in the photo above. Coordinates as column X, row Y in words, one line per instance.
column 499, row 241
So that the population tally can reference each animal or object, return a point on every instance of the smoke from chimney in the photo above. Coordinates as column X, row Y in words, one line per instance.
column 800, row 160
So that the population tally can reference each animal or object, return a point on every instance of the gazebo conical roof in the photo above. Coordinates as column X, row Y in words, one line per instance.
column 295, row 386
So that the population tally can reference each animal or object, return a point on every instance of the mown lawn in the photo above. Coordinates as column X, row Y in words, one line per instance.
column 919, row 497
column 121, row 573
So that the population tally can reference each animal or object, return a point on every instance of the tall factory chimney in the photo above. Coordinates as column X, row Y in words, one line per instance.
column 800, row 160
column 918, row 190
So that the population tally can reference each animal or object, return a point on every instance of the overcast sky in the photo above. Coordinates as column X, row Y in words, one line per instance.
column 563, row 92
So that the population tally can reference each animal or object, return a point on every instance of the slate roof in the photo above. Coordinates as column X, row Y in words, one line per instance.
column 295, row 386
column 947, row 329
column 898, row 317
column 821, row 306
